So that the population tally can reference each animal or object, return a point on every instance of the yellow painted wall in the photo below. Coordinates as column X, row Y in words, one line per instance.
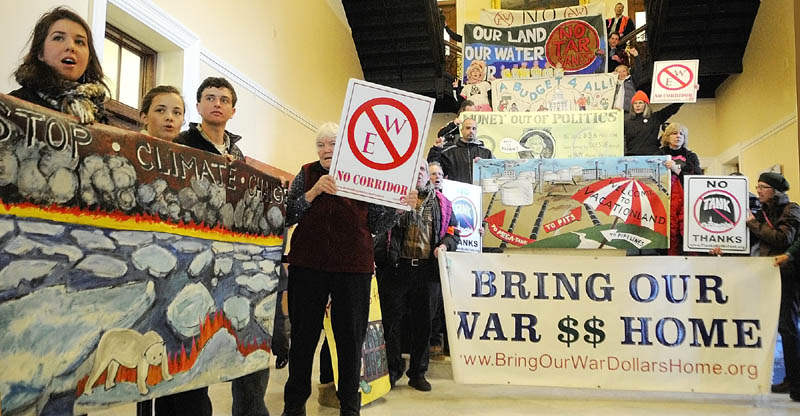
column 300, row 51
column 17, row 20
column 752, row 104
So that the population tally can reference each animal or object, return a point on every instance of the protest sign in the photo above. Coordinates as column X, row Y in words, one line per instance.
column 466, row 201
column 715, row 213
column 549, row 135
column 374, row 365
column 511, row 18
column 575, row 203
column 567, row 93
column 133, row 267
column 631, row 323
column 379, row 145
column 675, row 81
column 570, row 45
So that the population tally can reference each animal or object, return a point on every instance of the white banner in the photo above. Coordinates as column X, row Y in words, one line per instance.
column 379, row 144
column 511, row 18
column 675, row 81
column 466, row 201
column 567, row 93
column 715, row 213
column 686, row 324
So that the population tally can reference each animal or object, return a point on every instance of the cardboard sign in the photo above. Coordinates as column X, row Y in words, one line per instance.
column 675, row 81
column 466, row 201
column 381, row 134
column 715, row 213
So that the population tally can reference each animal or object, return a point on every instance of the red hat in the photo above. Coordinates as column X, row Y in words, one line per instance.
column 640, row 96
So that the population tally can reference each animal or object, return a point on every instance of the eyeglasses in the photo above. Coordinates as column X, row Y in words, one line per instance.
column 763, row 187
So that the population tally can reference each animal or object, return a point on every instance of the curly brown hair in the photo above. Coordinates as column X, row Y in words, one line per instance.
column 33, row 73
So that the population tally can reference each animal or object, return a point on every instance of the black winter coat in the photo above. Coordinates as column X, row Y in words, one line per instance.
column 458, row 158
column 193, row 138
column 686, row 159
column 641, row 134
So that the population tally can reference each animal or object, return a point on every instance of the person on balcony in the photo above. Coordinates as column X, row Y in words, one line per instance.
column 623, row 25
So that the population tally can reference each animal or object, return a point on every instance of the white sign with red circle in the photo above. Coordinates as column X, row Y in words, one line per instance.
column 675, row 81
column 715, row 213
column 379, row 144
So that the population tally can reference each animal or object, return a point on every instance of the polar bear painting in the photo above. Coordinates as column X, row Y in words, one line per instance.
column 131, row 349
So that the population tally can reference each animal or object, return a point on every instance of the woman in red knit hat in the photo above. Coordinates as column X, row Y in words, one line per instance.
column 642, row 126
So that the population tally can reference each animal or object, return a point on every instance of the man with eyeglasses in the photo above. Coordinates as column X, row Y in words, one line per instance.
column 776, row 225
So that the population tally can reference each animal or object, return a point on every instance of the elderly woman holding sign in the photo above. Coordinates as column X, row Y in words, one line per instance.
column 331, row 254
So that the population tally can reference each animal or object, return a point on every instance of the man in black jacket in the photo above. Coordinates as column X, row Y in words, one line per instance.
column 216, row 103
column 406, row 267
column 457, row 159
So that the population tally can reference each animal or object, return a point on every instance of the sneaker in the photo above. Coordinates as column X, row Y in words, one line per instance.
column 327, row 395
column 781, row 388
column 420, row 384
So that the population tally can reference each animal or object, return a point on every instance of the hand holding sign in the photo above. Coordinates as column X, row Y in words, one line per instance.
column 325, row 184
column 378, row 155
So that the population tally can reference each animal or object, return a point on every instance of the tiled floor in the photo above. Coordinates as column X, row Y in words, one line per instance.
column 449, row 398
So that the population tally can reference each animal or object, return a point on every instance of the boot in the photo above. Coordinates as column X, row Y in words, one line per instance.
column 327, row 395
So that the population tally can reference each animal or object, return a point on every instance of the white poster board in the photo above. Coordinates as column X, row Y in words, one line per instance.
column 379, row 144
column 715, row 213
column 466, row 201
column 663, row 323
column 675, row 81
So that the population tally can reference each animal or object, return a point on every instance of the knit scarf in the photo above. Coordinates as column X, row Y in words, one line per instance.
column 82, row 100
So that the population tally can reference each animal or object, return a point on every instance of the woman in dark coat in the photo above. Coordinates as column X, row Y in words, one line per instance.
column 684, row 162
column 331, row 255
column 642, row 125
column 61, row 70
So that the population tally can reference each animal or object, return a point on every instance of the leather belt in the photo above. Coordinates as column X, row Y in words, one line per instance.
column 413, row 262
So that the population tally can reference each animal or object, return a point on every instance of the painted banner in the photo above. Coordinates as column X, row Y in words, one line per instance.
column 675, row 81
column 609, row 203
column 131, row 267
column 374, row 365
column 571, row 46
column 551, row 135
column 567, row 93
column 715, row 213
column 466, row 201
column 511, row 18
column 686, row 324
column 381, row 134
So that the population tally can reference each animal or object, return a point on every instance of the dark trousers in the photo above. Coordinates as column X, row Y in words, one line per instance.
column 190, row 403
column 308, row 296
column 405, row 289
column 325, row 364
column 438, row 324
column 787, row 327
column 248, row 398
column 248, row 394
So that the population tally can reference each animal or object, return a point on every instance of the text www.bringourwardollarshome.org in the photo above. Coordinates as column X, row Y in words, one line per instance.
column 610, row 363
